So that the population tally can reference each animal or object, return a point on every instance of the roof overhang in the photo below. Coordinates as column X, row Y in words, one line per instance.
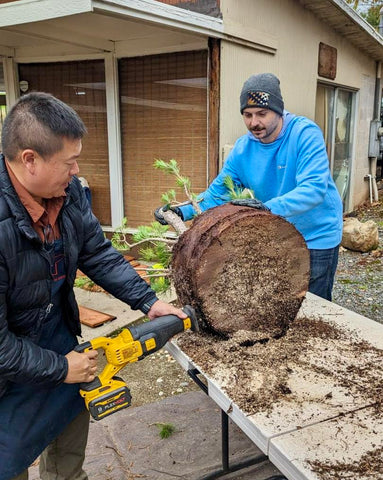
column 344, row 20
column 99, row 26
column 91, row 27
column 28, row 24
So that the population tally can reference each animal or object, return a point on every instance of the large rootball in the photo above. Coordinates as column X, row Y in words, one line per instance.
column 242, row 269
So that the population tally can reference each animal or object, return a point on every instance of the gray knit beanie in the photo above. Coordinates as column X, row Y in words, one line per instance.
column 262, row 91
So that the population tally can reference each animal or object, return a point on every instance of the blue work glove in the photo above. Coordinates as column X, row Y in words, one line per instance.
column 159, row 217
column 250, row 202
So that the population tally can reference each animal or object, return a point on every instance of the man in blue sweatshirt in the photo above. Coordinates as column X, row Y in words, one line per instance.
column 283, row 160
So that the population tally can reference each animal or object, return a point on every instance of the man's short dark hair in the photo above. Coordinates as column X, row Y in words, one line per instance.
column 39, row 121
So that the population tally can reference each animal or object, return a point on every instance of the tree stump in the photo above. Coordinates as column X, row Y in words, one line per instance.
column 245, row 271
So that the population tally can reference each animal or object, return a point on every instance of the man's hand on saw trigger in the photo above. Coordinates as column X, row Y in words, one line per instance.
column 160, row 308
column 160, row 218
column 82, row 367
column 250, row 202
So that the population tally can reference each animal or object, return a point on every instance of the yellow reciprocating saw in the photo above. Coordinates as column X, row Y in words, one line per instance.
column 107, row 393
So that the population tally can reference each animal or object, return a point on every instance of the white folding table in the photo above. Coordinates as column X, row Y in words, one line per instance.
column 323, row 423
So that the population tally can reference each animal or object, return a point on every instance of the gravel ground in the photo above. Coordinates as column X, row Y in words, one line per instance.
column 359, row 278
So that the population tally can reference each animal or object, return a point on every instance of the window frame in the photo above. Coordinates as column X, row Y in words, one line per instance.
column 331, row 143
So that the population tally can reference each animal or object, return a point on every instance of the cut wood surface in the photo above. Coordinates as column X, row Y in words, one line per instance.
column 245, row 271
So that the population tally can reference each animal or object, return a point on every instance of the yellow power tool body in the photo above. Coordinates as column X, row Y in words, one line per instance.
column 107, row 393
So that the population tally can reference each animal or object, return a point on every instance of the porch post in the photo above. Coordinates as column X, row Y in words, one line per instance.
column 114, row 140
column 11, row 80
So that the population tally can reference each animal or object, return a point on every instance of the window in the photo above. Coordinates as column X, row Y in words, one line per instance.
column 82, row 86
column 163, row 104
column 335, row 110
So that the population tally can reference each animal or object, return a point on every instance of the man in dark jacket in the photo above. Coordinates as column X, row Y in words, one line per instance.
column 47, row 231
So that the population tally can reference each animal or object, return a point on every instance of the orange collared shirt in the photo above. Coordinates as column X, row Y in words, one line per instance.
column 41, row 217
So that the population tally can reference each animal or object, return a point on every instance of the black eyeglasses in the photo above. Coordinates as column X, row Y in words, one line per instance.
column 49, row 237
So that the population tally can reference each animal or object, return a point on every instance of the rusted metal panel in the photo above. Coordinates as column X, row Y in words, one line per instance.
column 327, row 61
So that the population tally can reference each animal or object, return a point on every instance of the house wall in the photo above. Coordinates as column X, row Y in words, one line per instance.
column 295, row 62
column 279, row 36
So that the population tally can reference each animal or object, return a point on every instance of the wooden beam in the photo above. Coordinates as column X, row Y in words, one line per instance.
column 213, row 119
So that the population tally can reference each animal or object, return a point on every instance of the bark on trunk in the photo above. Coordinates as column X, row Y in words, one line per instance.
column 243, row 270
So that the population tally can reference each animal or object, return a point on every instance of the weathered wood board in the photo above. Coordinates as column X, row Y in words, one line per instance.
column 94, row 318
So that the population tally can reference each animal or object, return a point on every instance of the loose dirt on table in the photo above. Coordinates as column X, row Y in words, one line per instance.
column 258, row 376
column 367, row 467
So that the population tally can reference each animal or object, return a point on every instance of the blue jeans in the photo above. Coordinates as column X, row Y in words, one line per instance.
column 323, row 265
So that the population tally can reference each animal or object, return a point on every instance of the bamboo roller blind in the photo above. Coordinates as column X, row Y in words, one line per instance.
column 82, row 86
column 163, row 101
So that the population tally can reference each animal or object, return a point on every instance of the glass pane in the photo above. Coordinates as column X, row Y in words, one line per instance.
column 3, row 103
column 82, row 86
column 324, row 113
column 163, row 101
column 343, row 142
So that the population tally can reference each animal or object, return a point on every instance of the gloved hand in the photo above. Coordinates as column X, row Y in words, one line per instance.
column 159, row 217
column 250, row 202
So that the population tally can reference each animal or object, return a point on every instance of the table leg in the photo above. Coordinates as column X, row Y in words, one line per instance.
column 226, row 467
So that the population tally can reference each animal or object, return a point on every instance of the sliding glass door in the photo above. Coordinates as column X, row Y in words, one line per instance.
column 335, row 112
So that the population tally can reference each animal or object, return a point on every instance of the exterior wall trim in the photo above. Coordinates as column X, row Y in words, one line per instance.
column 62, row 58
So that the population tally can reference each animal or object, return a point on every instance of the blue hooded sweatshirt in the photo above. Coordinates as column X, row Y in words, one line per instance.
column 290, row 175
